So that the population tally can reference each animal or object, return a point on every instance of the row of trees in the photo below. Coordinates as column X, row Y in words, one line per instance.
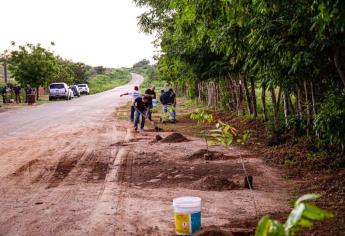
column 37, row 66
column 236, row 53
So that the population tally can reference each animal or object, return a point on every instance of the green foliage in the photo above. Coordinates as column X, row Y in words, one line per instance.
column 37, row 66
column 201, row 116
column 105, row 82
column 330, row 122
column 278, row 43
column 225, row 134
column 302, row 216
column 34, row 65
column 142, row 63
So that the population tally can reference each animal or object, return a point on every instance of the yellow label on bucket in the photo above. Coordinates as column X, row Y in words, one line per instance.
column 182, row 223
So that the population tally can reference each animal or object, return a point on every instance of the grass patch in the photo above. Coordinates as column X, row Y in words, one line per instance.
column 101, row 83
column 159, row 85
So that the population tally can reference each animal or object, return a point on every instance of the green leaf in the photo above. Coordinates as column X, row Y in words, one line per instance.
column 264, row 226
column 315, row 213
column 268, row 227
column 305, row 223
column 211, row 143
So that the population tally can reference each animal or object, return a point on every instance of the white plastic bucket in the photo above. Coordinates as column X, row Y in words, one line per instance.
column 187, row 212
column 154, row 102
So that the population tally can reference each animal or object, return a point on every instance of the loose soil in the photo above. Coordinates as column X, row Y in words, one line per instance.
column 174, row 138
column 101, row 178
column 215, row 183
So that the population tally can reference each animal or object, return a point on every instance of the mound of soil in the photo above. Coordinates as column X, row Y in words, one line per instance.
column 214, row 183
column 203, row 154
column 174, row 138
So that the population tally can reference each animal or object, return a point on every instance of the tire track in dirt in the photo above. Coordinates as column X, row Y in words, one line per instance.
column 102, row 220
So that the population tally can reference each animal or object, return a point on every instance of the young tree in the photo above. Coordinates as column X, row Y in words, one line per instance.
column 33, row 65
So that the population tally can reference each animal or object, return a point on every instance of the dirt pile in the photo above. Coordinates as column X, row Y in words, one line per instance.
column 214, row 183
column 206, row 155
column 158, row 138
column 174, row 138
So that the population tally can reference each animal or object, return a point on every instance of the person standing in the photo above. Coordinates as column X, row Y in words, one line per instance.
column 166, row 100
column 28, row 91
column 16, row 90
column 151, row 94
column 4, row 93
column 135, row 94
column 173, row 104
column 141, row 106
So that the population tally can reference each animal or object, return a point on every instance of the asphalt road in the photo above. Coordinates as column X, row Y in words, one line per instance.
column 59, row 115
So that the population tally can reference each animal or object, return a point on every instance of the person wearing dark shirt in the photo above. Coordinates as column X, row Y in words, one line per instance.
column 3, row 92
column 166, row 99
column 173, row 104
column 16, row 90
column 28, row 91
column 151, row 94
column 141, row 105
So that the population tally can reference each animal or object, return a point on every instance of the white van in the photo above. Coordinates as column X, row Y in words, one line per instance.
column 59, row 90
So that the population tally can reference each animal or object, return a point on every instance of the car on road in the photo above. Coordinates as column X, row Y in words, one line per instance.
column 75, row 90
column 84, row 89
column 59, row 90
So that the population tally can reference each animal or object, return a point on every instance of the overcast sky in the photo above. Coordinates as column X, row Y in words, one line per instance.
column 96, row 32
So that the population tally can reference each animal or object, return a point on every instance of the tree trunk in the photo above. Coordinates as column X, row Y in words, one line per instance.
column 246, row 93
column 254, row 105
column 286, row 108
column 337, row 64
column 292, row 108
column 275, row 106
column 307, row 104
column 37, row 93
column 240, row 95
column 5, row 72
column 299, row 103
column 263, row 100
column 279, row 98
column 232, row 101
column 313, row 98
column 236, row 96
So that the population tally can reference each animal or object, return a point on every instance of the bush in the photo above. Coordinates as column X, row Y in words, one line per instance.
column 329, row 124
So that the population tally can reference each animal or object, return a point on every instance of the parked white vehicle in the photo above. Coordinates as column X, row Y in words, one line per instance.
column 59, row 90
column 84, row 88
column 71, row 94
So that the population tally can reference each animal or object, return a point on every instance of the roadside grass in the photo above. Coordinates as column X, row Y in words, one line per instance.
column 101, row 83
column 159, row 85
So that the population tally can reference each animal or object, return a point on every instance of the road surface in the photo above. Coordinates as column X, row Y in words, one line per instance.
column 51, row 117
column 58, row 162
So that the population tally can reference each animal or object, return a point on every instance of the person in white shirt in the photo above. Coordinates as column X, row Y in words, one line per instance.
column 135, row 94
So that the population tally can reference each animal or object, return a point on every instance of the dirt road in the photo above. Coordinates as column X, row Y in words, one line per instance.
column 55, row 160
column 71, row 168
